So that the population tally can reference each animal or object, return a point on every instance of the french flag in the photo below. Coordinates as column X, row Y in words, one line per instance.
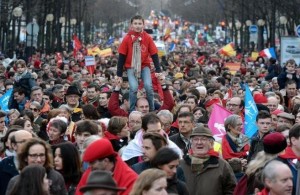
column 268, row 52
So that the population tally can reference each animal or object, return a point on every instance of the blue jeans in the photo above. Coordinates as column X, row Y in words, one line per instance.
column 133, row 88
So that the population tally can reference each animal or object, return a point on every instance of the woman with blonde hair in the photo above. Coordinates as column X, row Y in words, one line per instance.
column 150, row 182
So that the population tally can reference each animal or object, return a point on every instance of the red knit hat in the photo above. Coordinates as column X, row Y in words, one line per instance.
column 98, row 150
column 212, row 101
column 260, row 98
column 274, row 143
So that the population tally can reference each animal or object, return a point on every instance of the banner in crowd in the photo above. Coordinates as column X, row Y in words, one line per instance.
column 254, row 55
column 76, row 45
column 216, row 121
column 4, row 100
column 250, row 114
column 106, row 52
column 268, row 52
column 90, row 63
column 233, row 67
column 228, row 50
column 94, row 51
column 289, row 49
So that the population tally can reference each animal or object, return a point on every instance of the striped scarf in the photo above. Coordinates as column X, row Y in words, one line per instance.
column 136, row 58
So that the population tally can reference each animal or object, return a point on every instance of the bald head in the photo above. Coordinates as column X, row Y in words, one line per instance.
column 19, row 138
column 142, row 105
column 272, row 103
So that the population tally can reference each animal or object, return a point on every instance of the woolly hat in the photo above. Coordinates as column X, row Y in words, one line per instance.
column 99, row 149
column 260, row 98
column 212, row 101
column 274, row 143
column 202, row 131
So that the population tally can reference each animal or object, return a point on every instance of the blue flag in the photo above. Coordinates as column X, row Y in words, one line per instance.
column 172, row 47
column 4, row 100
column 110, row 41
column 250, row 114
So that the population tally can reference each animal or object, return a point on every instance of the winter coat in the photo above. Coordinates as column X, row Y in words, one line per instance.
column 7, row 171
column 216, row 178
column 176, row 186
column 57, row 186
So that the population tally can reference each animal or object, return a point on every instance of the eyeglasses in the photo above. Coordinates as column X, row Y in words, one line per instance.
column 34, row 109
column 35, row 156
column 232, row 105
column 200, row 139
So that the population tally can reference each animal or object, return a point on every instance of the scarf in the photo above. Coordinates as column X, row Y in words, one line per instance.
column 19, row 76
column 136, row 53
column 239, row 141
column 197, row 163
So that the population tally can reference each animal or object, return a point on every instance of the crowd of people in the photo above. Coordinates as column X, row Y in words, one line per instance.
column 142, row 130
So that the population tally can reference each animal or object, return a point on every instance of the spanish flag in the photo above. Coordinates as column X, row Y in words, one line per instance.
column 94, row 51
column 228, row 50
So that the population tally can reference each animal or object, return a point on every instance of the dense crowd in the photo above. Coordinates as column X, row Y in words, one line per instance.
column 68, row 130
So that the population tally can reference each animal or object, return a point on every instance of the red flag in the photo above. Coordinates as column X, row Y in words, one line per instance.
column 76, row 45
column 58, row 58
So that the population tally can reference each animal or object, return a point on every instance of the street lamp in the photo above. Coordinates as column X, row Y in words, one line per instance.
column 283, row 22
column 73, row 23
column 17, row 13
column 49, row 20
column 238, row 26
column 248, row 24
column 260, row 39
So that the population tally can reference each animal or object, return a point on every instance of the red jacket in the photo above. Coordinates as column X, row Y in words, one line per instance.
column 115, row 110
column 148, row 47
column 123, row 175
column 263, row 192
column 228, row 153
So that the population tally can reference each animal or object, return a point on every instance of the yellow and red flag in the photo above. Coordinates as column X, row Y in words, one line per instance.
column 228, row 50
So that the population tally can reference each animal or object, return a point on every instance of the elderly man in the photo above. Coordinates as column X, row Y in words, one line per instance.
column 204, row 171
column 101, row 156
column 72, row 99
column 272, row 103
column 278, row 179
column 37, row 95
column 236, row 106
column 8, row 166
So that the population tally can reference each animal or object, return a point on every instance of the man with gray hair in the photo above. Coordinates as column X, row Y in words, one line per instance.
column 278, row 179
column 166, row 118
column 272, row 103
column 59, row 95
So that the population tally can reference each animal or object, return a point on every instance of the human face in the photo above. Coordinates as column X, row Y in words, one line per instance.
column 102, row 192
column 198, row 114
column 37, row 95
column 234, row 105
column 166, row 122
column 45, row 183
column 124, row 132
column 193, row 83
column 274, row 121
column 238, row 128
column 46, row 99
column 20, row 68
column 236, row 86
column 283, row 121
column 290, row 67
column 103, row 100
column 158, row 187
column 170, row 168
column 282, row 184
column 264, row 125
column 19, row 98
column 142, row 106
column 155, row 128
column 149, row 150
column 58, row 161
column 291, row 90
column 81, row 137
column 201, row 145
column 272, row 104
column 72, row 100
column 186, row 125
column 176, row 85
column 54, row 134
column 64, row 113
column 28, row 126
column 134, row 119
column 137, row 25
column 60, row 93
column 21, row 138
column 91, row 93
column 275, row 85
column 2, row 124
column 36, row 155
column 35, row 111
column 97, row 165
column 191, row 102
